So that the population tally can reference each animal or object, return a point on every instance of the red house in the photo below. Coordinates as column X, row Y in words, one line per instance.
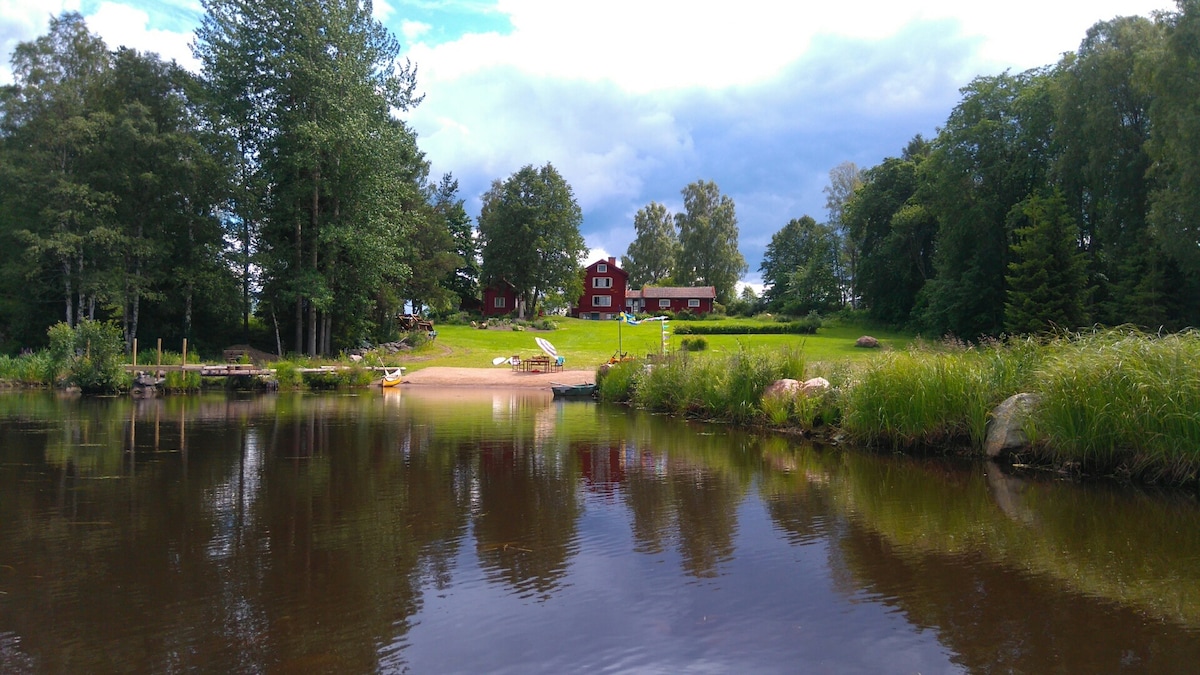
column 604, row 287
column 606, row 293
column 499, row 301
column 654, row 299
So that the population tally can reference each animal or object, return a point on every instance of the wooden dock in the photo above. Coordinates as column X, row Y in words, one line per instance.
column 246, row 369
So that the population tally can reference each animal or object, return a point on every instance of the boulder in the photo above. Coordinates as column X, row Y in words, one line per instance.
column 814, row 386
column 782, row 388
column 867, row 341
column 788, row 388
column 1005, row 431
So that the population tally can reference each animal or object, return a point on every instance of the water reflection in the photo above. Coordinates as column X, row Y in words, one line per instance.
column 468, row 530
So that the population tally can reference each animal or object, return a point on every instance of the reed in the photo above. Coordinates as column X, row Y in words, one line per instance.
column 726, row 386
column 179, row 381
column 930, row 396
column 36, row 369
column 1124, row 402
column 615, row 383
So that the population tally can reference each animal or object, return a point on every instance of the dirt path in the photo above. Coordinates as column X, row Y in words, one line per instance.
column 495, row 377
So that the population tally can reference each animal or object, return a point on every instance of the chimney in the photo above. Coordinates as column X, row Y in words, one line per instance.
column 612, row 261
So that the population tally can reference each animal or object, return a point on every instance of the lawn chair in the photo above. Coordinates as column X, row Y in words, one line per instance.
column 516, row 362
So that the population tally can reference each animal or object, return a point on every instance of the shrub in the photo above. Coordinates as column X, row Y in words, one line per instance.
column 545, row 324
column 417, row 338
column 91, row 355
column 287, row 374
column 696, row 344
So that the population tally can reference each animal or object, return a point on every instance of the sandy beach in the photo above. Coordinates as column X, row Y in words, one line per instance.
column 495, row 377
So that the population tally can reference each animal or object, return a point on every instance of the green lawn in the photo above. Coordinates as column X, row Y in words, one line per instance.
column 586, row 344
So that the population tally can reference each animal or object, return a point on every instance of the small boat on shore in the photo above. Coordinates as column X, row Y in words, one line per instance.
column 391, row 379
column 573, row 390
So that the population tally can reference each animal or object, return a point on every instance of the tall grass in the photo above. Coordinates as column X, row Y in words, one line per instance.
column 1126, row 402
column 726, row 386
column 182, row 381
column 31, row 370
column 930, row 396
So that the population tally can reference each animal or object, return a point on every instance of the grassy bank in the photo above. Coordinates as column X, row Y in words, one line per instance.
column 1115, row 402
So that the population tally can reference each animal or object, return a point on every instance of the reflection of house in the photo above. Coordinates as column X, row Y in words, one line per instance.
column 605, row 293
column 604, row 287
column 654, row 299
column 499, row 301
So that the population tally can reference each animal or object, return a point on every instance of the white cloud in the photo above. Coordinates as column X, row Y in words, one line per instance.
column 651, row 46
column 382, row 10
column 412, row 30
column 123, row 25
column 22, row 21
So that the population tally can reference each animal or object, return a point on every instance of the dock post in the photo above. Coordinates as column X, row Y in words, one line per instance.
column 159, row 364
column 135, row 352
column 183, row 362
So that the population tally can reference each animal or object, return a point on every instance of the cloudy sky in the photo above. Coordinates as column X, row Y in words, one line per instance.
column 633, row 99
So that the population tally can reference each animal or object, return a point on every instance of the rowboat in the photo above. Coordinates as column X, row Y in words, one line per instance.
column 573, row 390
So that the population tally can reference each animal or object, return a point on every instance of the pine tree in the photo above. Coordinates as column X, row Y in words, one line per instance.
column 1047, row 275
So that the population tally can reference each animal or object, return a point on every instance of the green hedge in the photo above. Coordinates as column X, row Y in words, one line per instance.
column 801, row 327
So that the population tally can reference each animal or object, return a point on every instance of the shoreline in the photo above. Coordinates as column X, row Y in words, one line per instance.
column 445, row 376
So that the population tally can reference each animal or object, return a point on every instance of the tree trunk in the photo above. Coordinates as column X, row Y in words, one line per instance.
column 315, row 223
column 68, row 293
column 187, row 311
column 326, row 330
column 299, row 325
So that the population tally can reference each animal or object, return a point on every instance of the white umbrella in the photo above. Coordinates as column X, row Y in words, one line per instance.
column 499, row 359
column 546, row 347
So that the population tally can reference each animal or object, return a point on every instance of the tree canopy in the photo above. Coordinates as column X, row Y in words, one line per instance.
column 651, row 256
column 708, row 241
column 529, row 237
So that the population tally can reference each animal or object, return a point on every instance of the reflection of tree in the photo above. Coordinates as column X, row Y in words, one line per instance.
column 997, row 619
column 649, row 500
column 526, row 517
column 353, row 538
column 239, row 555
column 707, row 520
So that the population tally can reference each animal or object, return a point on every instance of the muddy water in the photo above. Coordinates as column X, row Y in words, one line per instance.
column 502, row 531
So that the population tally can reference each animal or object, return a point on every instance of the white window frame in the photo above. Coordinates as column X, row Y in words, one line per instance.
column 602, row 282
column 602, row 268
column 664, row 303
column 499, row 302
column 601, row 301
column 693, row 302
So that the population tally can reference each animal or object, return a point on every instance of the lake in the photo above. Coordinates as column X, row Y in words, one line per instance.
column 431, row 530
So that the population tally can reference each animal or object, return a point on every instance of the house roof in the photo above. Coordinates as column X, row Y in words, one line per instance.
column 674, row 292
column 612, row 267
